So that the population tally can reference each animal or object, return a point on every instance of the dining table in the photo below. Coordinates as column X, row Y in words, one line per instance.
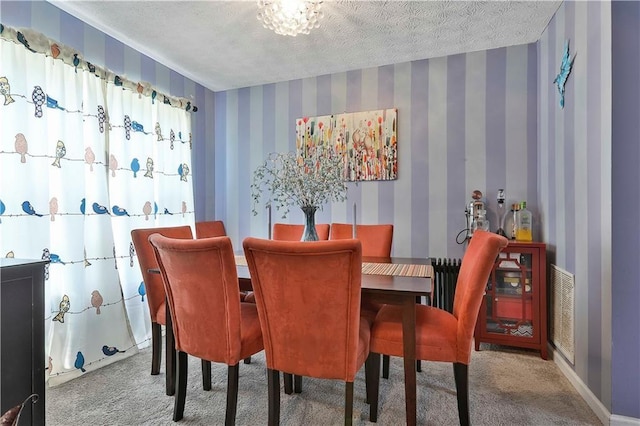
column 389, row 280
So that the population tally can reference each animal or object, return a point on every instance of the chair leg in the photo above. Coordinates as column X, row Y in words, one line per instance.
column 385, row 366
column 288, row 383
column 273, row 383
column 206, row 375
column 170, row 348
column 156, row 348
column 372, row 381
column 348, row 404
column 232, row 394
column 297, row 384
column 461, row 374
column 181, row 391
column 247, row 360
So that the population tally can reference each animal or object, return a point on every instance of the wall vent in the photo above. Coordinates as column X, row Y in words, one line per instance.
column 562, row 312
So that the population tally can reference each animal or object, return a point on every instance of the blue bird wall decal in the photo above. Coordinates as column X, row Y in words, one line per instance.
column 24, row 42
column 565, row 70
column 137, row 127
column 83, row 205
column 110, row 350
column 79, row 364
column 2, row 209
column 76, row 62
column 135, row 167
column 98, row 209
column 54, row 258
column 119, row 211
column 28, row 209
column 52, row 103
column 142, row 291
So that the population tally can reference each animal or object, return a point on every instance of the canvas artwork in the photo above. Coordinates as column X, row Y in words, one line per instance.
column 367, row 140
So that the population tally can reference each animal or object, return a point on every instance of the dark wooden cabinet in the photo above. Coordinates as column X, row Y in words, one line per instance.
column 22, row 354
column 514, row 308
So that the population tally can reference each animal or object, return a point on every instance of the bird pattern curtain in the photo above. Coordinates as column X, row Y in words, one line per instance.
column 83, row 162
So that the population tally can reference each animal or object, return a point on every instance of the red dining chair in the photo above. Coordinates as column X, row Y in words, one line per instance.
column 155, row 293
column 376, row 239
column 328, row 340
column 440, row 335
column 376, row 242
column 293, row 232
column 215, row 228
column 210, row 228
column 209, row 321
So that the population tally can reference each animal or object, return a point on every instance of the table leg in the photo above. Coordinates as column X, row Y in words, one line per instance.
column 409, row 350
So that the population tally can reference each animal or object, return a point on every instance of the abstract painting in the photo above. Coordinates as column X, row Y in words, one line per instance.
column 367, row 140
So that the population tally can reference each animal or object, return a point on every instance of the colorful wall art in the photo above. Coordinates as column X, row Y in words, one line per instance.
column 368, row 141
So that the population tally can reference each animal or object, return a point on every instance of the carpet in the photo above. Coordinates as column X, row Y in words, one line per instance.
column 507, row 387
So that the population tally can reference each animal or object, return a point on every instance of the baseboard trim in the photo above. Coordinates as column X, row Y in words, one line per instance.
column 617, row 420
column 592, row 401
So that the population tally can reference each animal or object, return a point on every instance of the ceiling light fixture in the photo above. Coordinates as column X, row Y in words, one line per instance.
column 290, row 17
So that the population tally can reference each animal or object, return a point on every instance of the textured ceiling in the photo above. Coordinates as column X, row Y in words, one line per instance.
column 221, row 44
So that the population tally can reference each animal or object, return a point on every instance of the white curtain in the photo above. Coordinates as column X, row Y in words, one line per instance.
column 84, row 160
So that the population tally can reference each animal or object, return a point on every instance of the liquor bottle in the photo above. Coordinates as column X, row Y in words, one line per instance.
column 510, row 221
column 524, row 224
column 481, row 221
column 501, row 213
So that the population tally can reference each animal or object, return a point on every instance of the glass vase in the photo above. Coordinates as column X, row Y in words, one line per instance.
column 310, row 233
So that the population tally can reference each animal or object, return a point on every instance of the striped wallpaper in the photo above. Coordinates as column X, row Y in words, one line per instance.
column 465, row 122
column 575, row 177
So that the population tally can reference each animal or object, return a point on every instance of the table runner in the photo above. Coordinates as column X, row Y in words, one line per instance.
column 397, row 269
column 369, row 268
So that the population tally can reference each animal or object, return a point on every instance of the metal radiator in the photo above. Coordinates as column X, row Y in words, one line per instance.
column 445, row 276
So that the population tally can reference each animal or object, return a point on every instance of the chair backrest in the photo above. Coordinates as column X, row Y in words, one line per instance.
column 292, row 232
column 308, row 300
column 211, row 228
column 476, row 267
column 376, row 239
column 201, row 283
column 147, row 260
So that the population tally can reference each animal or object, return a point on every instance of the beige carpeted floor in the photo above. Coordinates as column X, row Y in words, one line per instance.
column 507, row 387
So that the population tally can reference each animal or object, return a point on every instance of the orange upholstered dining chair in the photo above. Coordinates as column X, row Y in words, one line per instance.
column 376, row 242
column 215, row 228
column 440, row 335
column 376, row 239
column 328, row 340
column 210, row 228
column 209, row 321
column 293, row 232
column 155, row 291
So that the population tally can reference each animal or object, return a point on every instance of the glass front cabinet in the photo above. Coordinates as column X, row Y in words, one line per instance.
column 514, row 308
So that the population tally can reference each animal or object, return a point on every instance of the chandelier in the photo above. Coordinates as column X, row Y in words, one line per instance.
column 290, row 17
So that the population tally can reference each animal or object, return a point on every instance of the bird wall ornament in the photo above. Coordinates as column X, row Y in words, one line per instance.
column 565, row 70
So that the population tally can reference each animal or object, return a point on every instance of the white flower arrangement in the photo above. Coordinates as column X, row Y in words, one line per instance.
column 290, row 179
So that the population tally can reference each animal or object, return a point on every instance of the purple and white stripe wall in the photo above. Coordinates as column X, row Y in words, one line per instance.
column 465, row 122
